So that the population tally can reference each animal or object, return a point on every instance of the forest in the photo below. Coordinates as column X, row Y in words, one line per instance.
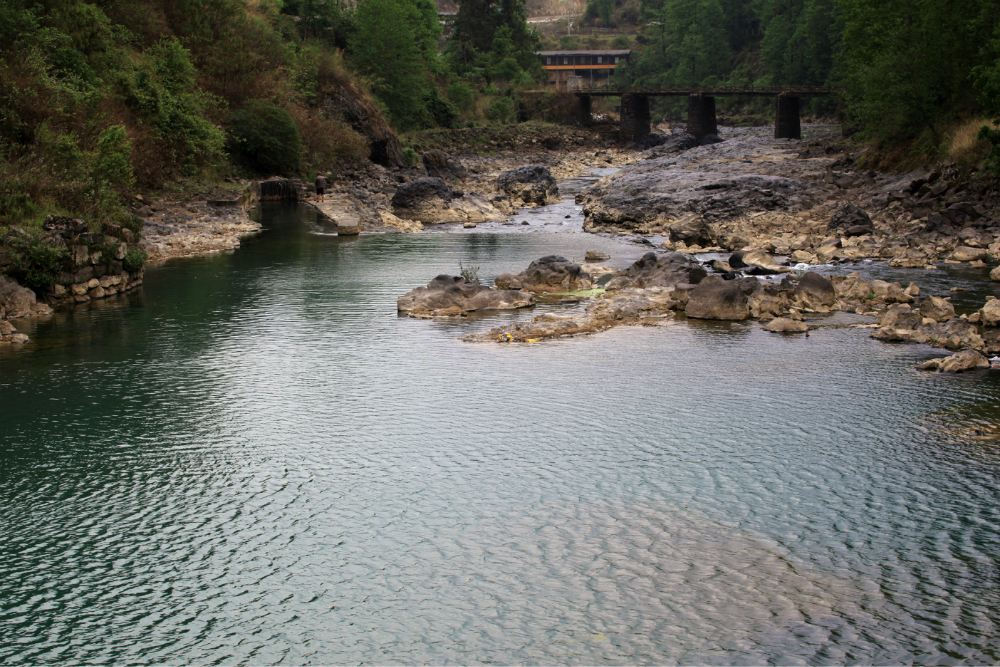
column 98, row 99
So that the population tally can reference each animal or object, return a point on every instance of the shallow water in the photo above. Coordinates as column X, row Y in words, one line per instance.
column 256, row 460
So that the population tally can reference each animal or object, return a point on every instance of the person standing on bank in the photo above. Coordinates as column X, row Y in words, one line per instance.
column 320, row 186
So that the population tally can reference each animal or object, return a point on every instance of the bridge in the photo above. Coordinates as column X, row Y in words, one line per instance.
column 635, row 118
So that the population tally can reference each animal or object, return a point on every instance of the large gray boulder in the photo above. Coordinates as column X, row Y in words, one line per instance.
column 531, row 185
column 453, row 295
column 762, row 261
column 692, row 230
column 667, row 270
column 851, row 221
column 552, row 273
column 15, row 301
column 716, row 299
column 424, row 200
column 816, row 292
column 441, row 165
column 937, row 309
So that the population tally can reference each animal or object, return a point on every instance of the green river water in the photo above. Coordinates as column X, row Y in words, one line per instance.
column 255, row 460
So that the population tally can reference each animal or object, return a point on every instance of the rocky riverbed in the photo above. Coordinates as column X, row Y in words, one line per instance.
column 789, row 197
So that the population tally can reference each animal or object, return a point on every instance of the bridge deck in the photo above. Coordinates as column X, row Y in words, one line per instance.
column 712, row 91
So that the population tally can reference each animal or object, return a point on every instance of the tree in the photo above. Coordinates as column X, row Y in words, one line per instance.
column 475, row 31
column 393, row 45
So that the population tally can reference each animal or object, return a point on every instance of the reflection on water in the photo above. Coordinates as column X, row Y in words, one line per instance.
column 257, row 460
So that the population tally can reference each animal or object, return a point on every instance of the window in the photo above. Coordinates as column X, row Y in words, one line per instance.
column 565, row 61
column 548, row 61
column 617, row 59
column 598, row 60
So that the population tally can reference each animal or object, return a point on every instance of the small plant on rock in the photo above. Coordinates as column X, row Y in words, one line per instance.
column 470, row 273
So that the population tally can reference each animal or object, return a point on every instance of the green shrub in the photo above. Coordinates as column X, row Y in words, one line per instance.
column 621, row 42
column 264, row 136
column 410, row 156
column 503, row 110
column 461, row 95
column 37, row 265
column 134, row 260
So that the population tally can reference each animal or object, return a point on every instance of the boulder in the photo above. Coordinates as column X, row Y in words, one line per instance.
column 966, row 254
column 955, row 334
column 667, row 270
column 596, row 256
column 453, row 295
column 989, row 315
column 474, row 208
column 786, row 325
column 803, row 257
column 441, row 165
column 552, row 273
column 816, row 292
column 995, row 274
column 736, row 259
column 851, row 217
column 899, row 315
column 763, row 261
column 890, row 292
column 531, row 185
column 716, row 299
column 425, row 200
column 692, row 230
column 389, row 220
column 937, row 309
column 15, row 301
column 966, row 360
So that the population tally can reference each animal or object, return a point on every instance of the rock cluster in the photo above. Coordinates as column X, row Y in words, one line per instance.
column 449, row 296
column 179, row 229
column 531, row 185
column 808, row 201
column 17, row 302
column 552, row 273
column 432, row 201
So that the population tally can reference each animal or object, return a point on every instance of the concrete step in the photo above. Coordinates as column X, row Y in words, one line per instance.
column 341, row 213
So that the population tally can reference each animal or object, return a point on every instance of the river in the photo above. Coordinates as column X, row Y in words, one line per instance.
column 254, row 459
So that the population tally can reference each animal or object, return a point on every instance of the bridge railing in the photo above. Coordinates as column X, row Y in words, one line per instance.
column 797, row 91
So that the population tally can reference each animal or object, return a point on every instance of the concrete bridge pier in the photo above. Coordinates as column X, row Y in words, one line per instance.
column 584, row 114
column 701, row 116
column 635, row 119
column 786, row 122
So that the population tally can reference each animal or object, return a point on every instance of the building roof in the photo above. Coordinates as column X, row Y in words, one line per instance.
column 620, row 52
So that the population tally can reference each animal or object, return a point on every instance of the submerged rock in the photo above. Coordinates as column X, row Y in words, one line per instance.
column 786, row 325
column 453, row 295
column 552, row 273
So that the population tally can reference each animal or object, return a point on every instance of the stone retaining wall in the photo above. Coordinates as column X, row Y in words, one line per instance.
column 98, row 271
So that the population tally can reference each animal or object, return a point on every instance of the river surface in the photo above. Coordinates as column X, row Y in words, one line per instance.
column 255, row 460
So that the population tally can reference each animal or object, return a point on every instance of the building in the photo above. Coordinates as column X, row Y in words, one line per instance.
column 592, row 67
